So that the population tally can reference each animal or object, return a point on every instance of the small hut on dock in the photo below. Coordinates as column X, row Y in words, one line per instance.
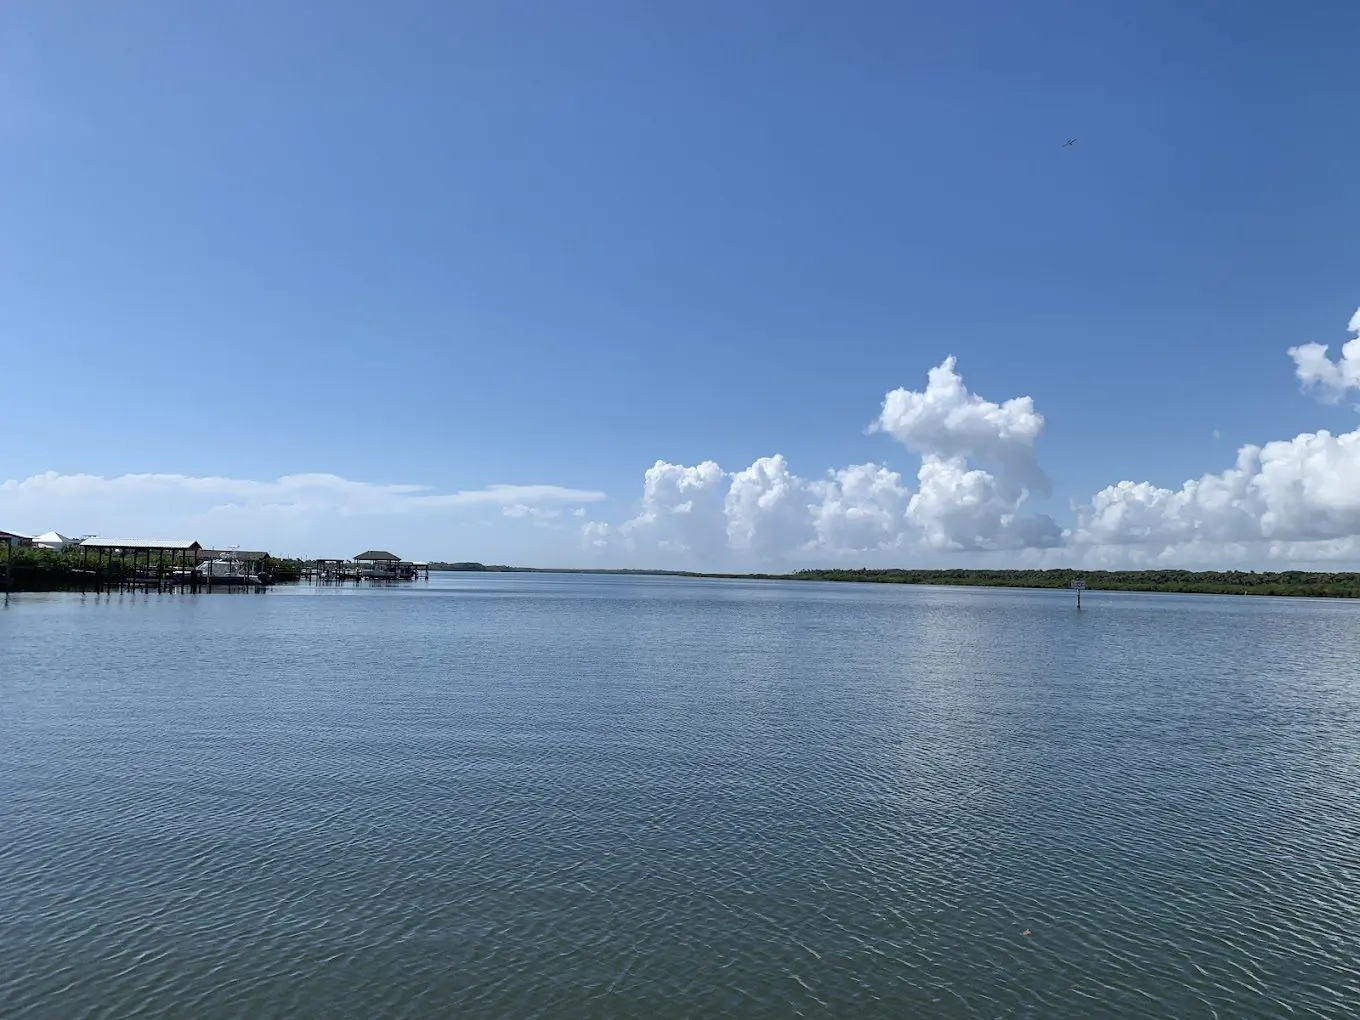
column 378, row 565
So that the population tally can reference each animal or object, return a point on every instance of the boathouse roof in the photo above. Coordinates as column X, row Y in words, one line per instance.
column 167, row 544
column 245, row 555
column 376, row 555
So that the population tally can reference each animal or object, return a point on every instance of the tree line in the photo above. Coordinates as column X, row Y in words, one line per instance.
column 1203, row 582
column 33, row 568
column 36, row 568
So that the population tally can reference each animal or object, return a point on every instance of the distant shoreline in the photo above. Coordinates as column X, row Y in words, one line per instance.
column 1287, row 583
column 41, row 570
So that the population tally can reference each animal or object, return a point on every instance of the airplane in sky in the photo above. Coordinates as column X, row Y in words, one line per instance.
column 1070, row 142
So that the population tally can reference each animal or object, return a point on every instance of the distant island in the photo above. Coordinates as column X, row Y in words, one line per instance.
column 35, row 569
column 1341, row 585
column 1200, row 582
column 470, row 568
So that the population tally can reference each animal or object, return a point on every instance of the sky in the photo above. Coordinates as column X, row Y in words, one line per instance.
column 703, row 285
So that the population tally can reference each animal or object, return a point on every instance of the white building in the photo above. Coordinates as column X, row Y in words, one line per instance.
column 55, row 541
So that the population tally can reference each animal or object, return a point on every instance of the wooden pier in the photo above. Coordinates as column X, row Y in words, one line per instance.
column 373, row 566
column 159, row 565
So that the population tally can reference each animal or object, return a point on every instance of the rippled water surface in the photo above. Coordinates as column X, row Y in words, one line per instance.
column 550, row 796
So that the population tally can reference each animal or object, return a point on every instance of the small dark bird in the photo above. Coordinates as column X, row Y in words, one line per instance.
column 1069, row 143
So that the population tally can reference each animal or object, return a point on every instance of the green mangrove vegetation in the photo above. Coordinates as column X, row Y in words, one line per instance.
column 470, row 567
column 34, row 569
column 38, row 569
column 1201, row 582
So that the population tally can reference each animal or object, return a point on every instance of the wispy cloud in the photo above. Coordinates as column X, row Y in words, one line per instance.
column 329, row 489
column 537, row 513
column 290, row 509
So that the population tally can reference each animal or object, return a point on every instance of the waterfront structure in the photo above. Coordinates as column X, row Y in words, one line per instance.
column 129, row 545
column 225, row 568
column 155, row 562
column 252, row 561
column 379, row 565
column 55, row 541
column 329, row 571
column 9, row 540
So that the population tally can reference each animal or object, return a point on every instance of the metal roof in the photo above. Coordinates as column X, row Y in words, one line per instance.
column 377, row 554
column 54, row 536
column 140, row 543
column 240, row 554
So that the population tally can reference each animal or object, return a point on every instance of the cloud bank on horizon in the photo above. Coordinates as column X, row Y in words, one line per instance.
column 1290, row 500
column 977, row 469
column 1294, row 500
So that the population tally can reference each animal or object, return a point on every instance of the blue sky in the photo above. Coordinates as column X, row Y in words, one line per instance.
column 469, row 245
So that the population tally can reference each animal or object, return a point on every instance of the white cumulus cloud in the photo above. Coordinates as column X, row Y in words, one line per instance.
column 596, row 534
column 861, row 508
column 767, row 509
column 1287, row 501
column 1295, row 500
column 1329, row 379
column 978, row 467
column 682, row 507
column 976, row 474
column 946, row 421
column 961, row 509
column 1300, row 490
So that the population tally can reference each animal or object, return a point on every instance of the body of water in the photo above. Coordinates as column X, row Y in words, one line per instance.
column 511, row 796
